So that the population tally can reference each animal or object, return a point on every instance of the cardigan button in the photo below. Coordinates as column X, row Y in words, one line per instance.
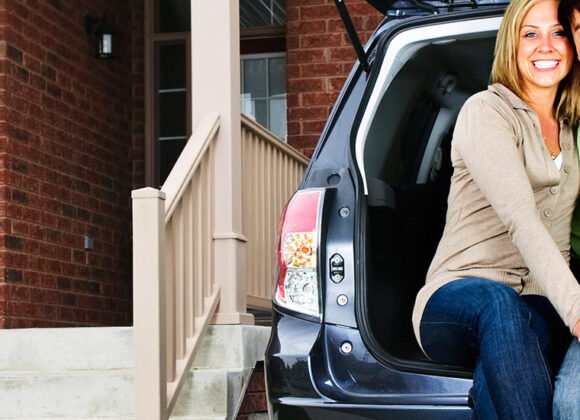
column 554, row 189
column 566, row 146
column 567, row 168
column 548, row 212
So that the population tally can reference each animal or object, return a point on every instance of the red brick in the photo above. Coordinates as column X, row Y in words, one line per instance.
column 293, row 99
column 336, row 83
column 311, row 27
column 318, row 98
column 254, row 403
column 314, row 11
column 294, row 127
column 19, row 293
column 370, row 23
column 295, row 3
column 313, row 127
column 343, row 54
column 321, row 69
column 292, row 42
column 257, row 382
column 310, row 113
column 318, row 41
column 292, row 13
column 302, row 141
column 306, row 84
column 314, row 55
column 361, row 8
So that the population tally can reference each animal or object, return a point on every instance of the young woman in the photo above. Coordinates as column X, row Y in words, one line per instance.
column 501, row 266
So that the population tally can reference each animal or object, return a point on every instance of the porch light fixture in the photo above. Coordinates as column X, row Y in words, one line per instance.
column 103, row 33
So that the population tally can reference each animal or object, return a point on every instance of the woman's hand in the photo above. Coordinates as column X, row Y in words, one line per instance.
column 576, row 330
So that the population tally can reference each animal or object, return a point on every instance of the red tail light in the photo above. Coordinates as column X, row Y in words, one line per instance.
column 297, row 287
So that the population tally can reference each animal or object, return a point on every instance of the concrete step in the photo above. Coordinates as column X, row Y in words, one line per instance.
column 66, row 349
column 89, row 394
column 197, row 418
column 66, row 373
column 211, row 392
column 87, row 373
column 222, row 346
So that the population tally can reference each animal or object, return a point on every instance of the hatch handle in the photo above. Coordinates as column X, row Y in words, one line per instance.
column 360, row 52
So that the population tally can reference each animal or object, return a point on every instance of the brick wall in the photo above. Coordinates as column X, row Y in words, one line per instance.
column 138, row 93
column 66, row 127
column 319, row 57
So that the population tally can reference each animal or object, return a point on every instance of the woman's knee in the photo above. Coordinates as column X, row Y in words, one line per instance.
column 499, row 303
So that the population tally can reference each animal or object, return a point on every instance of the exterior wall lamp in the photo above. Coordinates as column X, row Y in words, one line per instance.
column 103, row 32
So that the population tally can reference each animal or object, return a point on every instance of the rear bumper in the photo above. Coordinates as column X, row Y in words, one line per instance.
column 307, row 377
column 302, row 408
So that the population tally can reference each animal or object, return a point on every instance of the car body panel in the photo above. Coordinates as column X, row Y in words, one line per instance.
column 305, row 367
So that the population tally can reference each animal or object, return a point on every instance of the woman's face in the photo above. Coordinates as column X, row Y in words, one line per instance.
column 544, row 53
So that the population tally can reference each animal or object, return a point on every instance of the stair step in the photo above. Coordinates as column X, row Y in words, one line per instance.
column 258, row 416
column 87, row 373
column 221, row 346
column 211, row 392
column 66, row 349
column 86, row 395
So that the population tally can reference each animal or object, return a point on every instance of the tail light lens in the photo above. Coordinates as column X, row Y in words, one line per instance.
column 297, row 285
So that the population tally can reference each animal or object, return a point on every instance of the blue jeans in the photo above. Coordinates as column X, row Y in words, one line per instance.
column 567, row 393
column 509, row 341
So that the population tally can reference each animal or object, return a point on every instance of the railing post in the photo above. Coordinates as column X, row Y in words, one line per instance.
column 149, row 304
column 216, row 86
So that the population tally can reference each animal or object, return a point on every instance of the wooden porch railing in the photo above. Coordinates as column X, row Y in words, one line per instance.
column 271, row 171
column 175, row 294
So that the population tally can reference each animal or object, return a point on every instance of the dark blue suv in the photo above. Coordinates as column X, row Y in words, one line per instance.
column 357, row 237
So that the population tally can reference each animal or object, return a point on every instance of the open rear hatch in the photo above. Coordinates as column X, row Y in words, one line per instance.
column 414, row 7
column 406, row 8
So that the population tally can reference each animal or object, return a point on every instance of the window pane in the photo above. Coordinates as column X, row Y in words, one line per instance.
column 277, row 76
column 255, row 78
column 172, row 67
column 172, row 114
column 170, row 104
column 169, row 151
column 264, row 91
column 261, row 111
column 172, row 15
column 247, row 105
column 278, row 117
column 260, row 13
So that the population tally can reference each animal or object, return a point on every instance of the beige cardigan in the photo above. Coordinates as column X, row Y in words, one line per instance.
column 510, row 209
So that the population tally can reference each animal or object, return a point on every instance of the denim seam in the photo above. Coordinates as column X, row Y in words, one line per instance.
column 546, row 370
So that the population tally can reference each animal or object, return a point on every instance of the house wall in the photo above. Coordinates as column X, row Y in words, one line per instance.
column 319, row 58
column 66, row 131
column 138, row 92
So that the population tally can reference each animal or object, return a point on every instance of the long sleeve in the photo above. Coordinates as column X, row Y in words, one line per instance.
column 486, row 140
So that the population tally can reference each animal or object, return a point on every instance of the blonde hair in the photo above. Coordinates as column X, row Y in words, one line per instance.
column 505, row 67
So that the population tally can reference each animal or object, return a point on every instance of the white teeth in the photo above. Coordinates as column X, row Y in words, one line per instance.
column 545, row 64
